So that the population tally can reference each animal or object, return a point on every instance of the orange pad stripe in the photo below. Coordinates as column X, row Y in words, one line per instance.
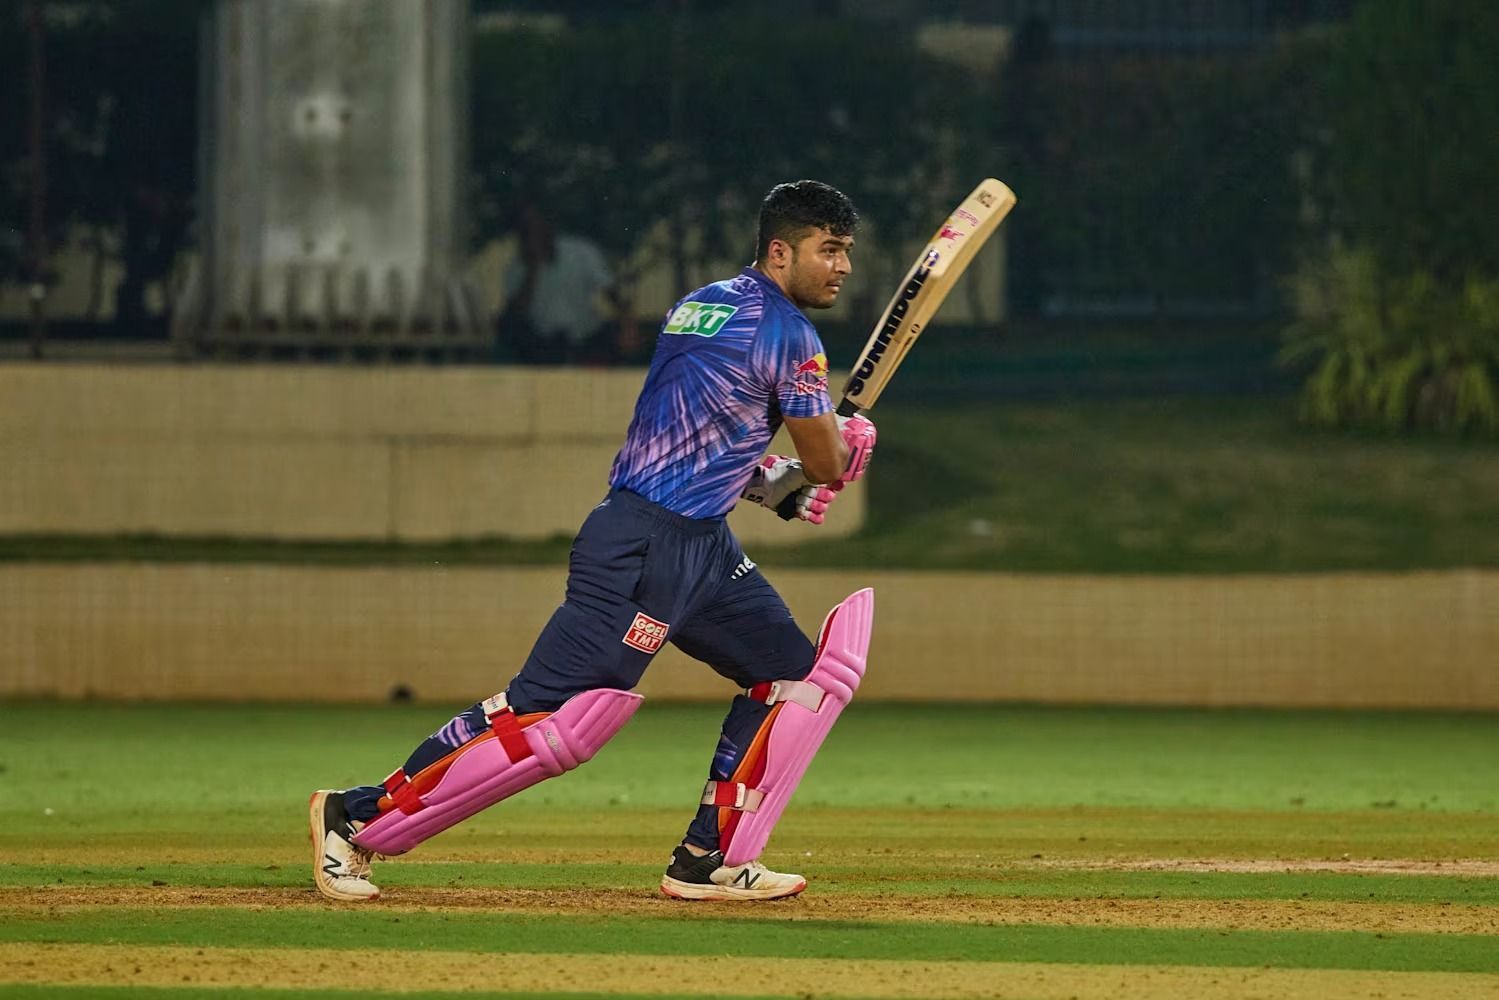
column 748, row 773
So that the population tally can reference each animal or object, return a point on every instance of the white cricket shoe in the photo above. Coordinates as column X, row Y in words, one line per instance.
column 707, row 877
column 340, row 869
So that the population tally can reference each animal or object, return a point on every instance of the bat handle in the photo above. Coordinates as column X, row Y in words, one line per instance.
column 847, row 408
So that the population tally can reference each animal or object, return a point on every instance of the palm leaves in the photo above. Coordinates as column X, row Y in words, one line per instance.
column 1394, row 352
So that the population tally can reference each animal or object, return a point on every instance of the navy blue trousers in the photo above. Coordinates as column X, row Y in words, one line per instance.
column 640, row 575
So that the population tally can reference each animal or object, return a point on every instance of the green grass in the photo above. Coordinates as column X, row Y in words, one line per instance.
column 1180, row 484
column 197, row 760
column 968, row 789
column 1172, row 485
column 994, row 880
column 948, row 812
column 763, row 935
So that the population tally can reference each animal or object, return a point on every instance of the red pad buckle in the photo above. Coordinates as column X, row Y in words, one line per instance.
column 727, row 793
column 732, row 795
column 402, row 792
column 508, row 731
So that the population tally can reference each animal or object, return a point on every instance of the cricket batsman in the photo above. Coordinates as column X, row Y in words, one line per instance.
column 655, row 562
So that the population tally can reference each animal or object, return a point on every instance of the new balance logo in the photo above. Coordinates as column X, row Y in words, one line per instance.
column 747, row 878
column 745, row 565
column 332, row 866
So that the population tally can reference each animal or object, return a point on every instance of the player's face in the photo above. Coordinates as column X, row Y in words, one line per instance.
column 819, row 263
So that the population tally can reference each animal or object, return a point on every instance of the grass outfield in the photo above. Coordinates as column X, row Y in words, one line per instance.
column 1181, row 484
column 953, row 851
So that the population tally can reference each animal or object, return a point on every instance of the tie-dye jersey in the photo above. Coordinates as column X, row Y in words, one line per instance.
column 732, row 359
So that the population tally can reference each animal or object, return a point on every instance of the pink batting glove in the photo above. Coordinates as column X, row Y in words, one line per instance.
column 812, row 505
column 859, row 434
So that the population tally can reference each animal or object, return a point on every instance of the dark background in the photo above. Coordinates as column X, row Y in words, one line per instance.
column 1210, row 181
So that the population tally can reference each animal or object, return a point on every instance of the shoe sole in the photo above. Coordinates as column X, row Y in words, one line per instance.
column 697, row 892
column 319, row 877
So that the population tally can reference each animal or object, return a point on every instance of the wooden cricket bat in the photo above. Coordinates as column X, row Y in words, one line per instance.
column 933, row 275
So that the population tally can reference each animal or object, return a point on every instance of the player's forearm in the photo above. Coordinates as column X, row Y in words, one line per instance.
column 827, row 465
column 819, row 446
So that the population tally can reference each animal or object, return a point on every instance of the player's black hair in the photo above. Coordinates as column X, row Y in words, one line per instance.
column 790, row 210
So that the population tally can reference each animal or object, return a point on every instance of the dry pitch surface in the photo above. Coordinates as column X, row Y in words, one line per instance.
column 1009, row 934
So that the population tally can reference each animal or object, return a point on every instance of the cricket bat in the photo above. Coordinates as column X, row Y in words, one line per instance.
column 933, row 275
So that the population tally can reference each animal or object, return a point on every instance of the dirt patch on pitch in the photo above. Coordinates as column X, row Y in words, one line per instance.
column 703, row 975
column 1234, row 914
column 1343, row 866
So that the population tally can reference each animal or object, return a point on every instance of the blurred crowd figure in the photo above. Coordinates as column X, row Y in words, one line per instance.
column 562, row 305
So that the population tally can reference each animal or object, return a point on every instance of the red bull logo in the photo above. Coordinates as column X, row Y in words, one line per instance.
column 816, row 366
column 811, row 376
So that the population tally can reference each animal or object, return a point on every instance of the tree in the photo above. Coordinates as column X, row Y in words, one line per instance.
column 1148, row 176
column 586, row 117
column 1414, row 136
column 122, row 132
column 1397, row 296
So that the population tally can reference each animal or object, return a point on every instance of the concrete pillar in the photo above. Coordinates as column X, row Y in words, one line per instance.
column 334, row 153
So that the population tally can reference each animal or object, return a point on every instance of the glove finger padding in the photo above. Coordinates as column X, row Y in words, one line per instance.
column 780, row 484
column 812, row 502
column 859, row 435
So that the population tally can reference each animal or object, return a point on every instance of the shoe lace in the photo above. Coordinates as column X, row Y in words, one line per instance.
column 359, row 862
column 759, row 869
column 359, row 857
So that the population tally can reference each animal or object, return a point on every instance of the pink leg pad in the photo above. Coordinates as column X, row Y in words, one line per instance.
column 483, row 774
column 797, row 731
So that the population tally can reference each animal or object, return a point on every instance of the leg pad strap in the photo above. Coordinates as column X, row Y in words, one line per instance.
column 495, row 765
column 732, row 795
column 505, row 726
column 803, row 693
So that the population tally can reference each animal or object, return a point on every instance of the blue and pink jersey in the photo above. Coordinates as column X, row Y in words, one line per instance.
column 733, row 358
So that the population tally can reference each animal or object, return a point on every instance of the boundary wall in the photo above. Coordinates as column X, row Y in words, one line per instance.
column 334, row 453
column 307, row 452
column 168, row 631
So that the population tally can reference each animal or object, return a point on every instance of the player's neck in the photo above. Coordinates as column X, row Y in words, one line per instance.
column 778, row 277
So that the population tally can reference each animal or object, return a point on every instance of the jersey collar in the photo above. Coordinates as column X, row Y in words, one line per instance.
column 769, row 285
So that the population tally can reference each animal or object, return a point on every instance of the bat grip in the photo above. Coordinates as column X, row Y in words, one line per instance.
column 847, row 408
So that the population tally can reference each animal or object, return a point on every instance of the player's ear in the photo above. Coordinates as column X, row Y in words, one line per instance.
column 778, row 252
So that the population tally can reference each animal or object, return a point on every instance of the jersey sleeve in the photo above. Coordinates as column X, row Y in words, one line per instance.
column 799, row 371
